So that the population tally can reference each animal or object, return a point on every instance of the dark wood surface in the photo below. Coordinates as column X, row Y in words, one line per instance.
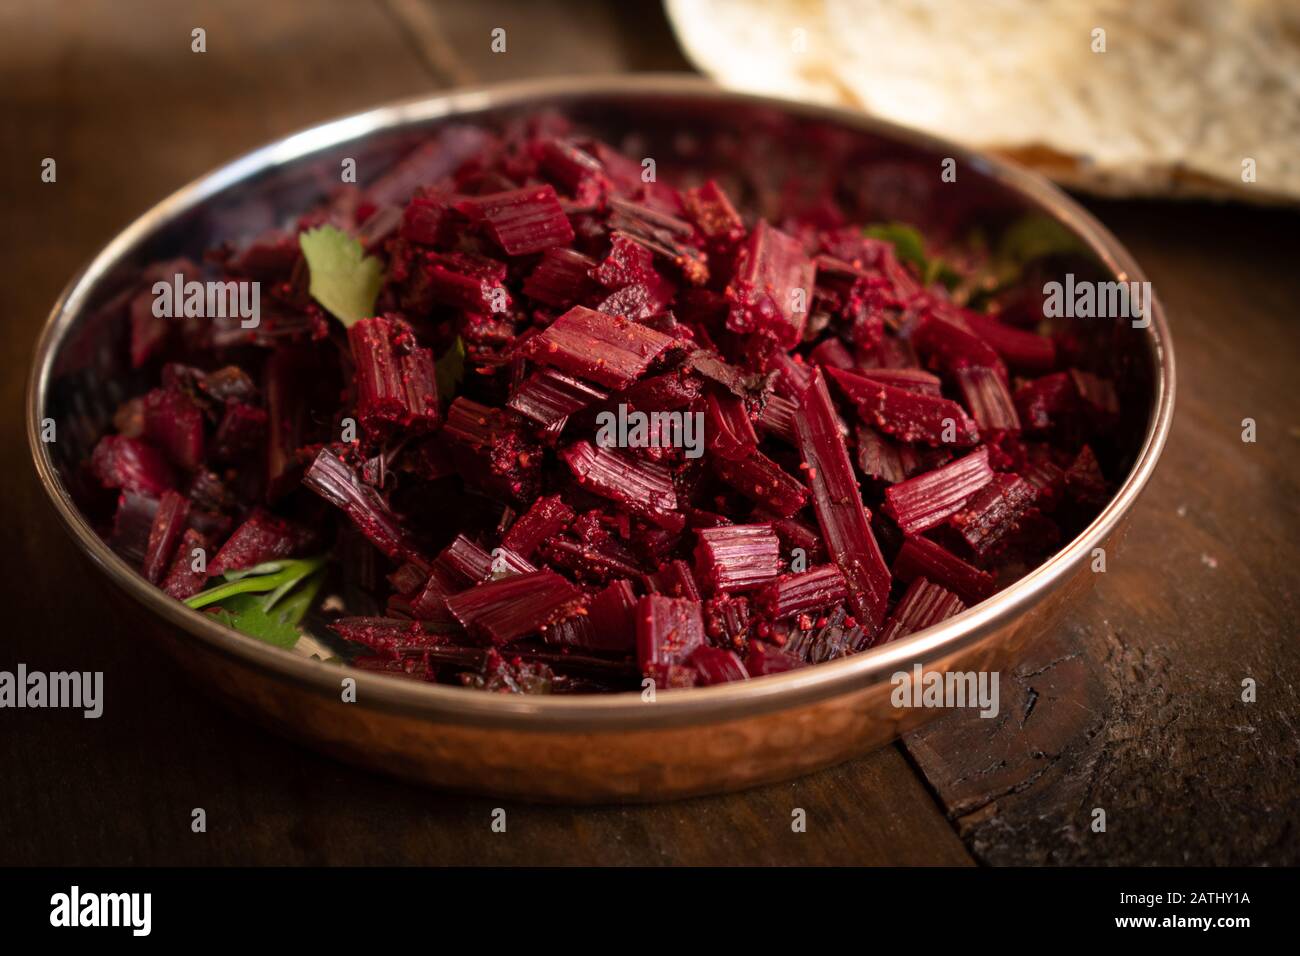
column 1133, row 706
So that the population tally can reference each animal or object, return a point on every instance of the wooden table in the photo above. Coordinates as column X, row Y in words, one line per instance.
column 1134, row 706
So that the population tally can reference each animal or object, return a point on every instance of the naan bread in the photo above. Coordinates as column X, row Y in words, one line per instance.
column 1185, row 92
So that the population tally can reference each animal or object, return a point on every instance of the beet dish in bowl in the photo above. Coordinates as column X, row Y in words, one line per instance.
column 606, row 439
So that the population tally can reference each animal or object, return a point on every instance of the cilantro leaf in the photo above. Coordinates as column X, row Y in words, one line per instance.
column 268, row 601
column 343, row 278
column 449, row 370
column 908, row 243
column 909, row 246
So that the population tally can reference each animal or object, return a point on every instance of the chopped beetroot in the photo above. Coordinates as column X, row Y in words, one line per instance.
column 467, row 281
column 738, row 557
column 241, row 434
column 832, row 353
column 838, row 503
column 777, row 418
column 827, row 637
column 521, row 220
column 642, row 487
column 1084, row 482
column 599, row 348
column 922, row 558
column 907, row 415
column 878, row 457
column 562, row 278
column 133, row 523
column 509, row 608
column 169, row 525
column 675, row 579
column 1025, row 351
column 492, row 450
column 668, row 632
column 182, row 581
column 532, row 282
column 548, row 396
column 174, row 422
column 988, row 398
column 772, row 287
column 132, row 465
column 337, row 483
column 993, row 512
column 908, row 379
column 396, row 385
column 951, row 346
column 726, row 620
column 717, row 666
column 926, row 500
column 763, row 481
column 546, row 517
column 389, row 637
column 730, row 430
column 763, row 659
column 809, row 590
column 612, row 614
column 1046, row 402
column 711, row 210
column 922, row 605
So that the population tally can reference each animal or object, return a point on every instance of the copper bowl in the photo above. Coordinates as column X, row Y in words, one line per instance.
column 614, row 747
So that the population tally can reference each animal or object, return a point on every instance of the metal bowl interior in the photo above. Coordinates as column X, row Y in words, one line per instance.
column 692, row 130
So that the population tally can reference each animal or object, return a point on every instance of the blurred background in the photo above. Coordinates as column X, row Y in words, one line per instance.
column 1134, row 706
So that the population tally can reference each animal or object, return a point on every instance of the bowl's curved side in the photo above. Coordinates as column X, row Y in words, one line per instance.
column 436, row 731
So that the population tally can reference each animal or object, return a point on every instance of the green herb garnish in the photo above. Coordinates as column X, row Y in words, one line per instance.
column 909, row 246
column 268, row 601
column 343, row 278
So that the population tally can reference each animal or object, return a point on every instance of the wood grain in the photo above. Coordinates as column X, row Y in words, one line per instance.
column 1136, row 705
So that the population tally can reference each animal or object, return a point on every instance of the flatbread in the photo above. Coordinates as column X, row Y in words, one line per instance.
column 1185, row 92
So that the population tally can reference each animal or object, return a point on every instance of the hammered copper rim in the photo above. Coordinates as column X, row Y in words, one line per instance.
column 624, row 711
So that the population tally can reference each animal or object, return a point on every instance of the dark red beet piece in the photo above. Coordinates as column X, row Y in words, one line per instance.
column 546, row 517
column 988, row 399
column 809, row 590
column 908, row 416
column 763, row 659
column 174, row 422
column 132, row 465
column 612, row 614
column 761, row 480
column 562, row 278
column 717, row 666
column 338, row 484
column 1026, row 351
column 263, row 537
column 922, row 558
column 599, row 348
column 668, row 632
column 396, row 384
column 642, row 487
column 923, row 605
column 837, row 501
column 992, row 513
column 182, row 581
column 513, row 607
column 730, row 430
column 521, row 221
column 548, row 396
column 926, row 500
column 168, row 526
column 771, row 287
column 737, row 557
